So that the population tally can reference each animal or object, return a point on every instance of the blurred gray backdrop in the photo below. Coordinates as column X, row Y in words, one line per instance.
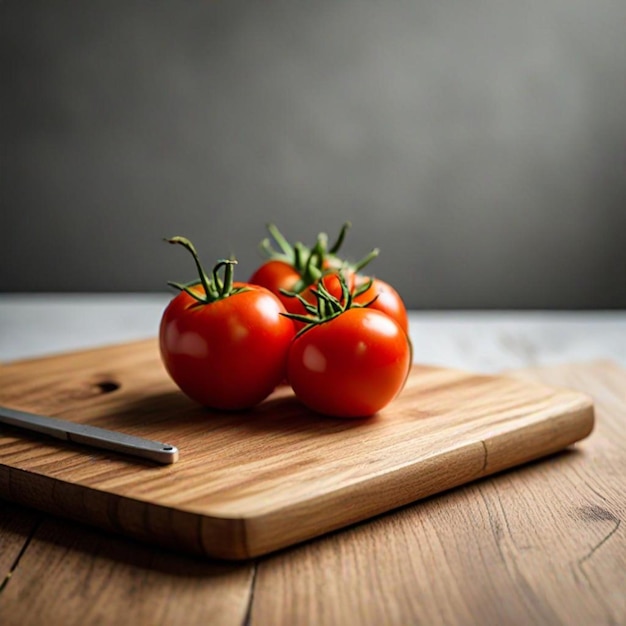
column 480, row 144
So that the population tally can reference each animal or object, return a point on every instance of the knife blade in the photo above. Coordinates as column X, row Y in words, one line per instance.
column 91, row 436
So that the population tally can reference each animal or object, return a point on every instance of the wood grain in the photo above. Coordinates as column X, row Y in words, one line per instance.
column 474, row 555
column 544, row 544
column 253, row 482
column 17, row 525
column 72, row 576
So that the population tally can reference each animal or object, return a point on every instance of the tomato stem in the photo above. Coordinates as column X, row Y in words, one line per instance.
column 362, row 288
column 266, row 250
column 215, row 288
column 342, row 235
column 299, row 252
column 183, row 241
column 283, row 244
column 311, row 263
column 327, row 306
column 225, row 286
column 359, row 265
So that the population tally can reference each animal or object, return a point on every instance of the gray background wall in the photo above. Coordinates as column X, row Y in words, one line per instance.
column 480, row 144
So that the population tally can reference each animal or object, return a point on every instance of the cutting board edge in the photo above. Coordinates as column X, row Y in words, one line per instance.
column 260, row 531
column 237, row 538
column 232, row 537
column 170, row 527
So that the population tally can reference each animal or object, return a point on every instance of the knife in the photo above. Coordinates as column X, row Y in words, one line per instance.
column 90, row 435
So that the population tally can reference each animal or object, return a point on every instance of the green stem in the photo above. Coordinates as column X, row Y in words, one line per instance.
column 183, row 241
column 327, row 306
column 225, row 285
column 359, row 265
column 342, row 235
column 283, row 244
column 299, row 251
column 266, row 248
column 215, row 288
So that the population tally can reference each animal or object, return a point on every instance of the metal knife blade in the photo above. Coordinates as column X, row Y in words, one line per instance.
column 90, row 435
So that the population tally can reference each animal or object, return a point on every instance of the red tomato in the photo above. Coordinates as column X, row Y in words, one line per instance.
column 275, row 275
column 227, row 354
column 298, row 269
column 388, row 301
column 351, row 365
column 332, row 282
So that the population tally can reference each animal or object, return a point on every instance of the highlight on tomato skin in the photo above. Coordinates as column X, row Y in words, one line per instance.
column 381, row 296
column 224, row 343
column 279, row 277
column 350, row 366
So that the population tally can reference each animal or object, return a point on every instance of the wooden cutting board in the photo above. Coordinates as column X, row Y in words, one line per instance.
column 253, row 482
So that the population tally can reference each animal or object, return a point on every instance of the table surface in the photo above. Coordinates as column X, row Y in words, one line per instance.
column 540, row 544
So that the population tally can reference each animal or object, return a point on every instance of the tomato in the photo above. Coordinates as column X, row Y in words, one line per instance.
column 297, row 269
column 225, row 343
column 351, row 365
column 279, row 277
column 276, row 276
column 228, row 354
column 388, row 300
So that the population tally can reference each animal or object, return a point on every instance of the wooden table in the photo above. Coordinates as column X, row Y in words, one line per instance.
column 542, row 544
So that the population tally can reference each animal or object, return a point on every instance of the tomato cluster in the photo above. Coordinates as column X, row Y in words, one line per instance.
column 338, row 337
